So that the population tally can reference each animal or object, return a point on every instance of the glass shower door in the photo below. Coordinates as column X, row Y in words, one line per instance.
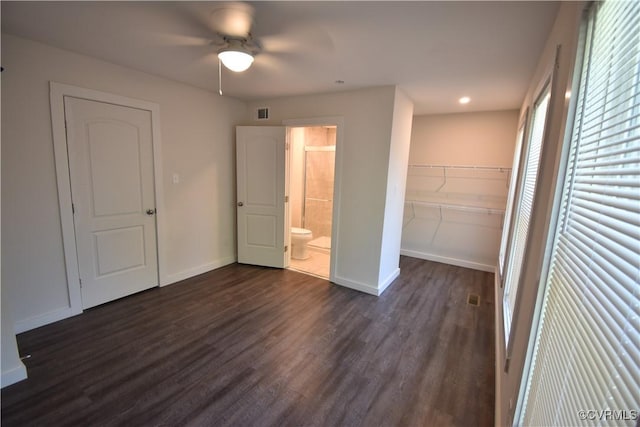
column 318, row 201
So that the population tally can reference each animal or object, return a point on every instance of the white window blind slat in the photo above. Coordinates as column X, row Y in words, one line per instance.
column 602, row 334
column 616, row 171
column 630, row 171
column 591, row 164
column 580, row 247
column 601, row 92
column 510, row 200
column 565, row 250
column 624, row 271
column 631, row 194
column 600, row 89
column 582, row 349
column 619, row 12
column 621, row 127
column 627, row 234
column 614, row 148
column 524, row 209
column 622, row 204
column 586, row 355
column 591, row 180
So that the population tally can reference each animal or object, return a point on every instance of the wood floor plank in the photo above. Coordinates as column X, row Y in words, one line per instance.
column 254, row 346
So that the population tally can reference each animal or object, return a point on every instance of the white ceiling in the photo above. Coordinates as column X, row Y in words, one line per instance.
column 435, row 51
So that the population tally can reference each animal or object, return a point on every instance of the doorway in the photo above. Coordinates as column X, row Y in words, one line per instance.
column 312, row 156
column 264, row 209
column 108, row 163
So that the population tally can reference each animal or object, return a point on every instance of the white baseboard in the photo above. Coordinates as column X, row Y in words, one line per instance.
column 42, row 319
column 63, row 313
column 386, row 282
column 177, row 277
column 368, row 289
column 448, row 260
column 14, row 375
column 358, row 286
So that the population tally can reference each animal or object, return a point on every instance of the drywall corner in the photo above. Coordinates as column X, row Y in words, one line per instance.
column 400, row 141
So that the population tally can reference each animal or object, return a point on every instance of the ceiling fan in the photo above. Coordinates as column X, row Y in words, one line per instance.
column 226, row 29
column 232, row 22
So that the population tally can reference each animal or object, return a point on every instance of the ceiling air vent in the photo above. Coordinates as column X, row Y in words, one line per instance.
column 263, row 113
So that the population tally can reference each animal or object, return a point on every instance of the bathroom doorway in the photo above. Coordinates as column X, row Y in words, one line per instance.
column 312, row 155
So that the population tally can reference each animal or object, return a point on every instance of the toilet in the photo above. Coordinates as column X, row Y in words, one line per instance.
column 299, row 239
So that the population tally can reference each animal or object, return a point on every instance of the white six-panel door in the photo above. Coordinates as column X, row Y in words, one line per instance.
column 112, row 187
column 261, row 185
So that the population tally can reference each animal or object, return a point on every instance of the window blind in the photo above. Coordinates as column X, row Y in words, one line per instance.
column 510, row 199
column 585, row 365
column 524, row 208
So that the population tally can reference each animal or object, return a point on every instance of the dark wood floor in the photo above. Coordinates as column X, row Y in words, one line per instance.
column 252, row 346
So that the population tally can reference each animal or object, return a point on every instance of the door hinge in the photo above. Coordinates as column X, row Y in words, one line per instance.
column 286, row 146
column 80, row 279
column 286, row 248
column 286, row 199
column 73, row 209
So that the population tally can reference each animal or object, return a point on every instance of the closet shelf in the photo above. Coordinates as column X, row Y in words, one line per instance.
column 472, row 186
column 463, row 208
column 469, row 167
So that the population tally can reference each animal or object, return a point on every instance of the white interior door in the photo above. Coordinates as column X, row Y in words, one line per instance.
column 261, row 188
column 112, row 186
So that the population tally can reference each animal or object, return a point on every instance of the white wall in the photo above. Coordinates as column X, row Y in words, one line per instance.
column 479, row 139
column 13, row 370
column 363, row 164
column 396, row 185
column 565, row 33
column 453, row 215
column 197, row 129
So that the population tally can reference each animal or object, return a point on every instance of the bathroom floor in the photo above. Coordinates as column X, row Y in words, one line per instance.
column 317, row 264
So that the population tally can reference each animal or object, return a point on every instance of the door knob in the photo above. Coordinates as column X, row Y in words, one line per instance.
column 240, row 204
column 151, row 212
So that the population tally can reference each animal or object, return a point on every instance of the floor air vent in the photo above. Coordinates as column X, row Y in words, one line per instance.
column 473, row 300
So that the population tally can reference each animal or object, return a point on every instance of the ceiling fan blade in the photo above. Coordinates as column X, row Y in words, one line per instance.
column 191, row 28
column 298, row 37
column 195, row 16
column 232, row 19
column 167, row 39
column 271, row 61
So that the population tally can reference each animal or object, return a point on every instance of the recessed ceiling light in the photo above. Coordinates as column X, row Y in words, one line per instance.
column 339, row 82
column 464, row 100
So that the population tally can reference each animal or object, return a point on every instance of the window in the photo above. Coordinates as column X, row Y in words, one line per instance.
column 586, row 355
column 524, row 208
column 511, row 196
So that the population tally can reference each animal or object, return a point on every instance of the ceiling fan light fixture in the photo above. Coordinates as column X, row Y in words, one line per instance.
column 236, row 57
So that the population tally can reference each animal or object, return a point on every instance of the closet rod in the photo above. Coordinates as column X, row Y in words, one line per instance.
column 493, row 168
